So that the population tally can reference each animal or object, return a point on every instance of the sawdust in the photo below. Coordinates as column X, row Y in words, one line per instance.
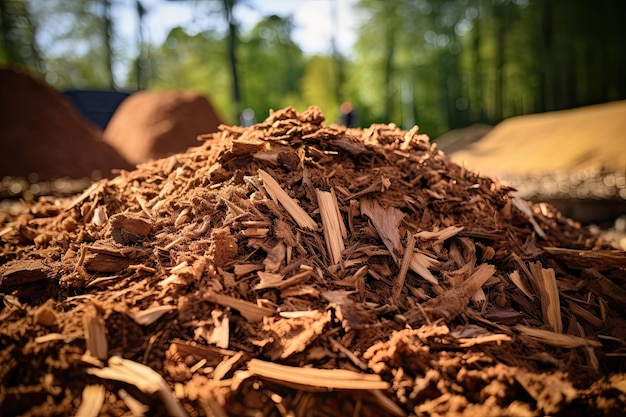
column 295, row 268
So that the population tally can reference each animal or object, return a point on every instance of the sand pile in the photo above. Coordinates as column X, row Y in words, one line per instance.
column 295, row 268
column 578, row 153
column 570, row 140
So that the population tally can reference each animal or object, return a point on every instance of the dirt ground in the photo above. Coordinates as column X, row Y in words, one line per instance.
column 298, row 268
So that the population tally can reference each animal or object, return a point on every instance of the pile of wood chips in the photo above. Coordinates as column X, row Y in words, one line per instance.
column 298, row 269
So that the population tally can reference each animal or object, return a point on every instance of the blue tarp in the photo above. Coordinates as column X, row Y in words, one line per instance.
column 97, row 106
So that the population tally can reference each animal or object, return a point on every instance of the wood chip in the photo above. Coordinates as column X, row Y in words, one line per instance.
column 128, row 229
column 404, row 267
column 556, row 339
column 523, row 207
column 250, row 311
column 386, row 221
column 421, row 265
column 332, row 223
column 95, row 334
column 280, row 196
column 92, row 400
column 440, row 235
column 601, row 259
column 517, row 280
column 316, row 378
column 142, row 377
column 150, row 315
column 545, row 282
column 453, row 302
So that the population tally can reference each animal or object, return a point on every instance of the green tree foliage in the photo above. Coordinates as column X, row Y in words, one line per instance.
column 18, row 33
column 194, row 62
column 271, row 66
column 319, row 85
column 441, row 63
column 447, row 63
column 71, row 42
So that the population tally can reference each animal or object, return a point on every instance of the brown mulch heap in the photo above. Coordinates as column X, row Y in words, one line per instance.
column 42, row 133
column 152, row 124
column 294, row 268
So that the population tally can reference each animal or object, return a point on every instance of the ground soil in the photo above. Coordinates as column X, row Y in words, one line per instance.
column 153, row 124
column 297, row 268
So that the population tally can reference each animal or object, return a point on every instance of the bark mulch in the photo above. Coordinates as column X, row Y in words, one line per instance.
column 294, row 268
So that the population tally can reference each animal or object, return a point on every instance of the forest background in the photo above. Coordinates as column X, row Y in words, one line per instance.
column 442, row 64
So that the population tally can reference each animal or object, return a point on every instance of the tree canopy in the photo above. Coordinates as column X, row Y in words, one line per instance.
column 442, row 64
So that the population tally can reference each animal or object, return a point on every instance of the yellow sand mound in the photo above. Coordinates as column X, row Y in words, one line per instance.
column 569, row 140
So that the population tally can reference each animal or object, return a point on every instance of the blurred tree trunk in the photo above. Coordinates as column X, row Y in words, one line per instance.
column 390, row 46
column 142, row 66
column 547, row 79
column 619, row 31
column 478, row 87
column 107, row 25
column 18, row 43
column 228, row 6
column 7, row 32
column 500, row 18
column 337, row 57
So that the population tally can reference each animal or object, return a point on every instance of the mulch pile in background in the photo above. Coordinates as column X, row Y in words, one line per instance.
column 42, row 134
column 151, row 124
column 294, row 268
